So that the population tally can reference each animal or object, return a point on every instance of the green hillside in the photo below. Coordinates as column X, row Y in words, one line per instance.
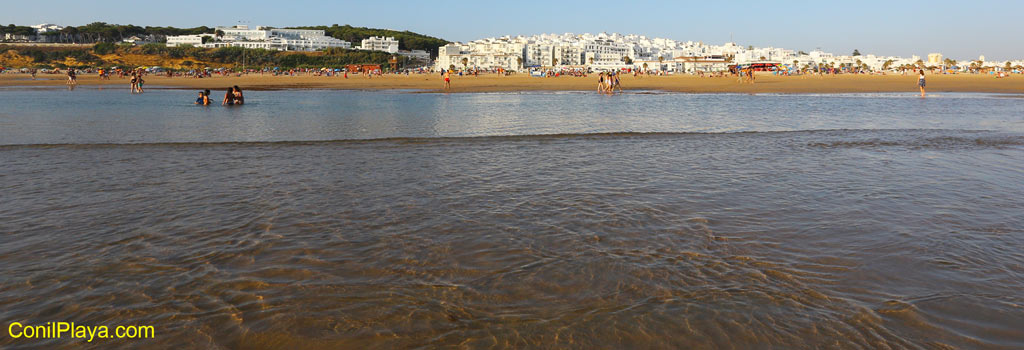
column 406, row 40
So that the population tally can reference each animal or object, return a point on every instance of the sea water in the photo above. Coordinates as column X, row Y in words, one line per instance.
column 343, row 219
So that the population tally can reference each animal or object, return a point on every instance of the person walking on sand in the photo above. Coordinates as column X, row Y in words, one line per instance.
column 920, row 82
column 447, row 80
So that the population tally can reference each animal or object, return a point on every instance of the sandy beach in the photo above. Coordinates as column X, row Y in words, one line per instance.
column 766, row 83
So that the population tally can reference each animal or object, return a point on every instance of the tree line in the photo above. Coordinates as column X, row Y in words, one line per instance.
column 97, row 32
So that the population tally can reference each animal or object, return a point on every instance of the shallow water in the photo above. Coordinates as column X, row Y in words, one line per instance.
column 839, row 221
column 91, row 115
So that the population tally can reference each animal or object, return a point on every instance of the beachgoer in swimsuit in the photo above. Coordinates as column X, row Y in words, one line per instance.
column 229, row 97
column 920, row 82
column 239, row 99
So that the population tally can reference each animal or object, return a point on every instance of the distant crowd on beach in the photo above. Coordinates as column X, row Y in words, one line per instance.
column 608, row 81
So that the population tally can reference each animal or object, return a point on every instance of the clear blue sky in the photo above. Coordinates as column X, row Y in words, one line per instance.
column 959, row 29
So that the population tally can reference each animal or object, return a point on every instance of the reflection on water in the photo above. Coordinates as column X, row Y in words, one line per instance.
column 846, row 239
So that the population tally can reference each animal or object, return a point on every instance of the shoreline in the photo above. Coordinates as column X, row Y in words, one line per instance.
column 431, row 83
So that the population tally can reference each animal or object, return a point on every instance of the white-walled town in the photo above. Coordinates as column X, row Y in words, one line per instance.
column 616, row 52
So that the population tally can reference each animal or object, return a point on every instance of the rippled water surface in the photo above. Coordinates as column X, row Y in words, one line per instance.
column 349, row 220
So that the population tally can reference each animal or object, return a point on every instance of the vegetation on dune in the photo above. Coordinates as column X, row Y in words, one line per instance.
column 184, row 57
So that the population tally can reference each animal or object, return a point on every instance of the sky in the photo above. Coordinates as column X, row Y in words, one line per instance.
column 961, row 29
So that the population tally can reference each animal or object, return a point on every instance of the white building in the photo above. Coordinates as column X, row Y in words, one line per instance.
column 469, row 56
column 138, row 40
column 47, row 28
column 380, row 43
column 420, row 55
column 194, row 40
column 262, row 38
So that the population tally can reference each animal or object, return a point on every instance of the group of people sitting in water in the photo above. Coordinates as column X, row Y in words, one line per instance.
column 232, row 97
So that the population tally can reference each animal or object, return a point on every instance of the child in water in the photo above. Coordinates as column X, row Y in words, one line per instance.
column 204, row 98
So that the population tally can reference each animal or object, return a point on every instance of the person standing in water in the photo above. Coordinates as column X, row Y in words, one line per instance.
column 138, row 83
column 72, row 79
column 920, row 82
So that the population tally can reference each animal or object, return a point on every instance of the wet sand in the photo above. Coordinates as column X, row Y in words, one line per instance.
column 492, row 83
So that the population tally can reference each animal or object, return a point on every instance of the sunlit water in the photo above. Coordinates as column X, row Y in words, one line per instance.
column 337, row 220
